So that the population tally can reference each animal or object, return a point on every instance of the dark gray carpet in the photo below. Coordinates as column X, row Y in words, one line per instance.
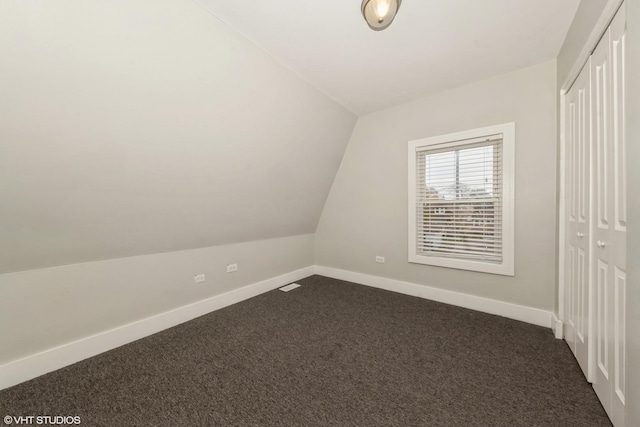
column 329, row 353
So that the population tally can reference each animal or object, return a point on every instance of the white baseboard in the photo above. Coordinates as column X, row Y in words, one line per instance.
column 24, row 369
column 557, row 327
column 32, row 366
column 512, row 311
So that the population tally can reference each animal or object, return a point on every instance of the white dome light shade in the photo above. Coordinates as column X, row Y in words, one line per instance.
column 379, row 14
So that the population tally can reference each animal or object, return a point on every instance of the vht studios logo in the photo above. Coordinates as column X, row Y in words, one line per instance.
column 41, row 420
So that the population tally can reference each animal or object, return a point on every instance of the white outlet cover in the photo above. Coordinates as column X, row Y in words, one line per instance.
column 290, row 287
column 199, row 278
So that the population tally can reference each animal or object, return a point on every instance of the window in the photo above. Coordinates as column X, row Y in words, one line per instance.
column 461, row 200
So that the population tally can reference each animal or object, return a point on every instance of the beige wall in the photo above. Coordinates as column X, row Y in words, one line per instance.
column 633, row 230
column 366, row 212
column 147, row 127
column 131, row 128
column 42, row 309
column 587, row 15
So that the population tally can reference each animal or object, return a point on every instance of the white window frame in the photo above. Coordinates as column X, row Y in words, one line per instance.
column 508, row 131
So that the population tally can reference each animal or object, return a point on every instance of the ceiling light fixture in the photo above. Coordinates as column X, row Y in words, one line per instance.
column 379, row 14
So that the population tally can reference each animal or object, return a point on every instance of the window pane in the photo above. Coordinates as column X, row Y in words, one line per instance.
column 459, row 211
column 461, row 173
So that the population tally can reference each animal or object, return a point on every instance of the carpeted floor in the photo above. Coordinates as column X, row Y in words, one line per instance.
column 329, row 353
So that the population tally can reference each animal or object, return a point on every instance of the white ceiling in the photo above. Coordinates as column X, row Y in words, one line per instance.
column 431, row 46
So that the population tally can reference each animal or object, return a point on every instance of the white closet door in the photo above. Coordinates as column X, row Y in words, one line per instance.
column 609, row 222
column 618, row 234
column 578, row 206
column 600, row 69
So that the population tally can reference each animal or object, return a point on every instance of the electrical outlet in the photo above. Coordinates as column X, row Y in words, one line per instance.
column 199, row 278
column 232, row 267
column 379, row 259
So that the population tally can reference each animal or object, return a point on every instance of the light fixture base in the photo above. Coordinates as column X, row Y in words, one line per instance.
column 379, row 14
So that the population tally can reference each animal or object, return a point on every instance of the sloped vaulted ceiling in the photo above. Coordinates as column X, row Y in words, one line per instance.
column 432, row 45
column 148, row 126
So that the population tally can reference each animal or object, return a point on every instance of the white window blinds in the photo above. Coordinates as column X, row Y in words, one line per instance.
column 459, row 200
